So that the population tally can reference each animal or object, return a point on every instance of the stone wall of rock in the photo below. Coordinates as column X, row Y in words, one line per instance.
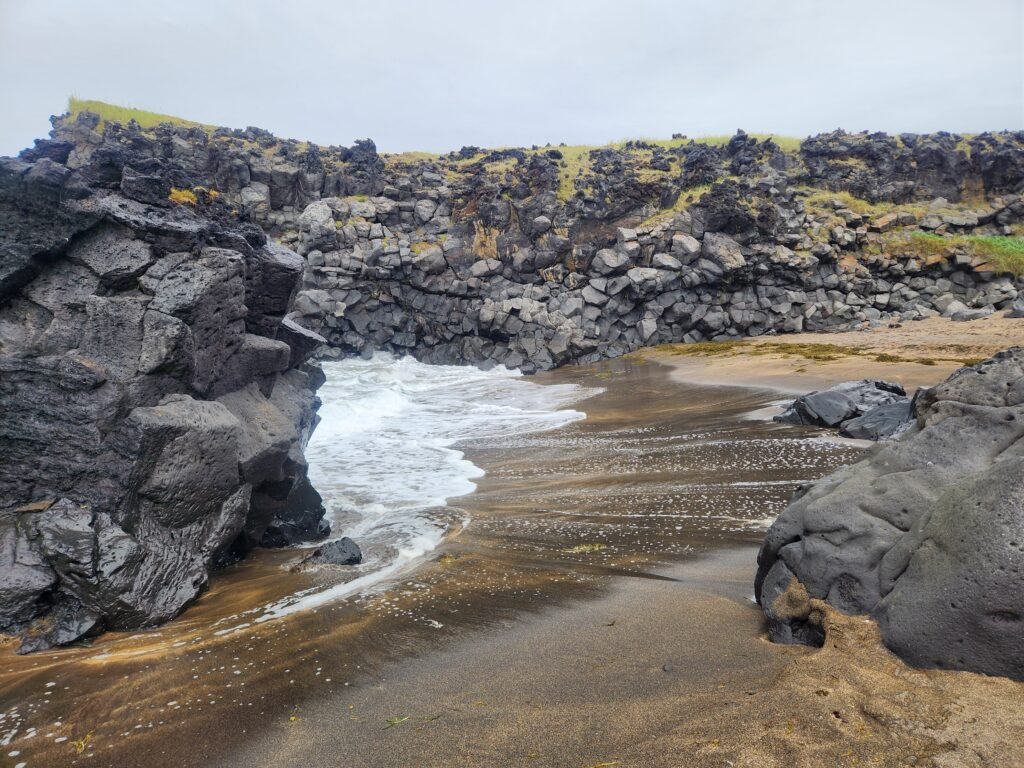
column 155, row 400
column 500, row 257
column 926, row 533
column 368, row 286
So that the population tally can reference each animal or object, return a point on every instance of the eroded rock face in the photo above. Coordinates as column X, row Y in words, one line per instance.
column 446, row 258
column 926, row 533
column 133, row 330
column 155, row 400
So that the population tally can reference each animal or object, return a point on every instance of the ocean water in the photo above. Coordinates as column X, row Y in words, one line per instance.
column 383, row 459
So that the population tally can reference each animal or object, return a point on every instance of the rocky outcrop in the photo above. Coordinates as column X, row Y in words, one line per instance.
column 155, row 399
column 924, row 533
column 866, row 409
column 522, row 258
column 154, row 341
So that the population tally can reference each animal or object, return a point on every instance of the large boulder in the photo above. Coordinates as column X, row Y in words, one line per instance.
column 156, row 401
column 924, row 533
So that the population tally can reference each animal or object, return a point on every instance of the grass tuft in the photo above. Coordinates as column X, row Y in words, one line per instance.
column 182, row 196
column 111, row 113
column 998, row 252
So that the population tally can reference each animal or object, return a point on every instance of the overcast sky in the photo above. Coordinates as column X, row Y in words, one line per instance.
column 440, row 74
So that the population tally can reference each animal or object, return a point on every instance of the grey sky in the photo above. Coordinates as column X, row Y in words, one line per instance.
column 441, row 74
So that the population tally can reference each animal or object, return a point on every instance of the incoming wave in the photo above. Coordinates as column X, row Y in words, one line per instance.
column 382, row 455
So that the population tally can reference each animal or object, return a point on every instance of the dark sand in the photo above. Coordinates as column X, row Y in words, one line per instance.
column 595, row 612
column 670, row 672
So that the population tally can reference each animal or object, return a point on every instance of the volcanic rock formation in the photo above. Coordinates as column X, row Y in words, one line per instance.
column 154, row 341
column 925, row 533
column 155, row 400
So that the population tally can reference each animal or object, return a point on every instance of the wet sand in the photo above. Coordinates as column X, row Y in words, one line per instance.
column 659, row 673
column 596, row 611
column 667, row 668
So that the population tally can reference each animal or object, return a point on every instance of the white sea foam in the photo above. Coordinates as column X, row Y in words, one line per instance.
column 382, row 455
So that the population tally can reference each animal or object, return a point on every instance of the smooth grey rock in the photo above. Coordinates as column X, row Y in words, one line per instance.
column 966, row 315
column 881, row 423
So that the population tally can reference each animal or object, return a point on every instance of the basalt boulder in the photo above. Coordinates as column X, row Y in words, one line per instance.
column 925, row 533
column 839, row 405
column 156, row 401
column 341, row 551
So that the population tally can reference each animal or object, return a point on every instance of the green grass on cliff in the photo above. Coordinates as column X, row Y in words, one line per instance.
column 111, row 113
column 786, row 143
column 575, row 158
column 1000, row 253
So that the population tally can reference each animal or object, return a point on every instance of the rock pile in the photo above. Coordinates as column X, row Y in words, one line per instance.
column 505, row 257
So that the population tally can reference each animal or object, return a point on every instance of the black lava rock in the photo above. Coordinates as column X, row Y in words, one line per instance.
column 923, row 534
column 341, row 551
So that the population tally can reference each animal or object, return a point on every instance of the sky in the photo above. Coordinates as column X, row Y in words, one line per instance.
column 438, row 75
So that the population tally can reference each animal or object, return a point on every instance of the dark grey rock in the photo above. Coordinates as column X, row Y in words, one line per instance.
column 722, row 251
column 113, row 299
column 609, row 262
column 882, row 423
column 843, row 402
column 923, row 533
column 1016, row 310
column 341, row 551
column 965, row 315
column 122, row 484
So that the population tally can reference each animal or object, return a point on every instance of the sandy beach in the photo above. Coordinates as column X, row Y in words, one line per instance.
column 672, row 667
column 915, row 354
column 671, row 671
column 597, row 611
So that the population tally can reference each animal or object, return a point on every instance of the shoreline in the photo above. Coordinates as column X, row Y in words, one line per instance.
column 657, row 672
column 542, row 640
column 916, row 354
